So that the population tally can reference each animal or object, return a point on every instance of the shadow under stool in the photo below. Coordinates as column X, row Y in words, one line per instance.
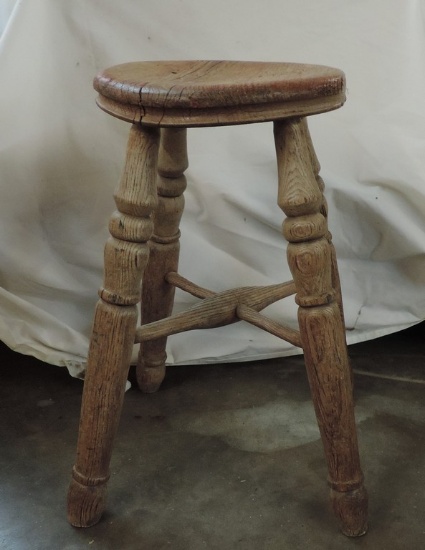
column 161, row 100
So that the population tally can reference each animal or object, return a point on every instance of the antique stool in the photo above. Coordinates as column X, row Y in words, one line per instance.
column 162, row 99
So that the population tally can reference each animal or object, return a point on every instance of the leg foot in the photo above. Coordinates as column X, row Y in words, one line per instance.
column 86, row 502
column 351, row 509
column 329, row 377
column 150, row 374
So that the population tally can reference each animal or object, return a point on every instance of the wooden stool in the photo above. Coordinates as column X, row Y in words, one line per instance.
column 144, row 245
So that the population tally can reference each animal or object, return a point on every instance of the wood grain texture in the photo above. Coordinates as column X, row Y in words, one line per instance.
column 144, row 246
column 114, row 329
column 157, row 292
column 313, row 267
column 336, row 284
column 207, row 93
column 242, row 311
column 221, row 309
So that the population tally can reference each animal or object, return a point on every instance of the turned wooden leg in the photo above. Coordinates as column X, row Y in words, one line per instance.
column 157, row 293
column 126, row 255
column 312, row 263
column 336, row 284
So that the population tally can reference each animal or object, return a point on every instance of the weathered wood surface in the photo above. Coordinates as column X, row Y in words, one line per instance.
column 144, row 246
column 157, row 292
column 244, row 312
column 208, row 93
column 126, row 255
column 314, row 270
column 224, row 308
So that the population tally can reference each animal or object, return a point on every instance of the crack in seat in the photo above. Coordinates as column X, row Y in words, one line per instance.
column 209, row 93
column 161, row 100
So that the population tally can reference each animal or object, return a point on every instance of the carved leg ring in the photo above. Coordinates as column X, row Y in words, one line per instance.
column 313, row 266
column 126, row 255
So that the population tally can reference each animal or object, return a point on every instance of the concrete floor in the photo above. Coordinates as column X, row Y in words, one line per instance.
column 222, row 457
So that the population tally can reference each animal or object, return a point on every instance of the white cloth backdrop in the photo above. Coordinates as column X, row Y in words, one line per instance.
column 60, row 159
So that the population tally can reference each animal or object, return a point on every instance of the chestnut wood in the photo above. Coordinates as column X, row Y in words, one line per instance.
column 144, row 246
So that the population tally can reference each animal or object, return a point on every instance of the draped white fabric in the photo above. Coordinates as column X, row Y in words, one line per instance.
column 60, row 159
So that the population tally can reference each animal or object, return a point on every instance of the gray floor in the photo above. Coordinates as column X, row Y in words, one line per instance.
column 222, row 457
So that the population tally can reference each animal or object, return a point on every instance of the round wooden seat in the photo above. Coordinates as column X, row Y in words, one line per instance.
column 209, row 93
